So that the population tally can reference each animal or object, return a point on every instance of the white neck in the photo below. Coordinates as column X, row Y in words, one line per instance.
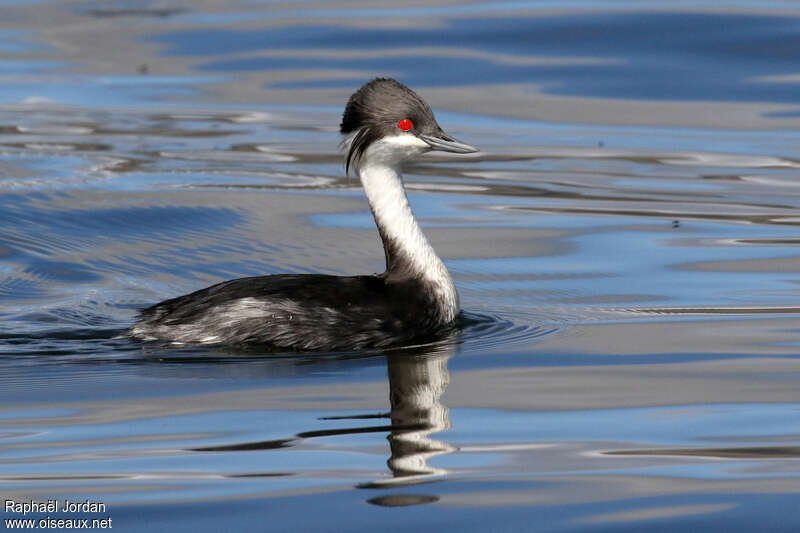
column 409, row 255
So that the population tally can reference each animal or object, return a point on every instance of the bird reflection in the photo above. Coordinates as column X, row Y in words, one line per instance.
column 417, row 379
column 416, row 384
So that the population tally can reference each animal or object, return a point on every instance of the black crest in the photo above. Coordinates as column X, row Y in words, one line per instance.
column 375, row 110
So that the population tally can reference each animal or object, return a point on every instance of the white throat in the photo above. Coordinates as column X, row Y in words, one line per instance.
column 408, row 252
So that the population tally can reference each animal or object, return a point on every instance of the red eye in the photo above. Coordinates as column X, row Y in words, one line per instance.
column 405, row 124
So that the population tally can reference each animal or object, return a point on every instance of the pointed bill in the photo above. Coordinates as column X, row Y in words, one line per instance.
column 445, row 143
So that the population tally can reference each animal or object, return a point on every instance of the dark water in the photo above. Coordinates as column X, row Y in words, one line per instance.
column 625, row 246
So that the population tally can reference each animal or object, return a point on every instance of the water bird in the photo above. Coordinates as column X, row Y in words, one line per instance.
column 385, row 125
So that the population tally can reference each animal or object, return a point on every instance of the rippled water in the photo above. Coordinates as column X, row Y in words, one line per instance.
column 625, row 246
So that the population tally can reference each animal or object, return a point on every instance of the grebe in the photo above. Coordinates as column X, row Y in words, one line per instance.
column 386, row 125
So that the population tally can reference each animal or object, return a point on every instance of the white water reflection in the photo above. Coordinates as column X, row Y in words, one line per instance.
column 416, row 385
